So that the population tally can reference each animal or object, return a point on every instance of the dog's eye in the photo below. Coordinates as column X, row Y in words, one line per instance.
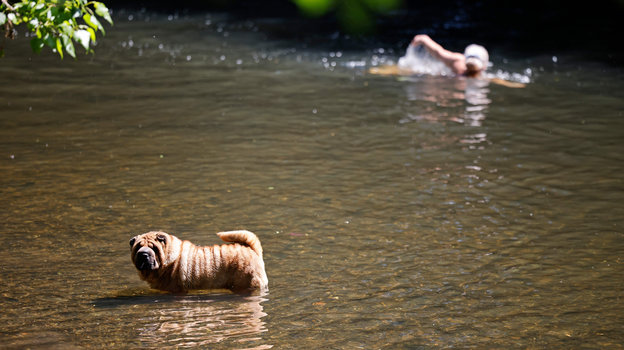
column 132, row 240
column 161, row 238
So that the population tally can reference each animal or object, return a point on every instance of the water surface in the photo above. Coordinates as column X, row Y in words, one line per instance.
column 414, row 212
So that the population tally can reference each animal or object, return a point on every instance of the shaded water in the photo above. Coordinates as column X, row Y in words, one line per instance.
column 418, row 212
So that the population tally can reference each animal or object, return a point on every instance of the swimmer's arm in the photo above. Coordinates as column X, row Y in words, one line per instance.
column 454, row 60
column 509, row 84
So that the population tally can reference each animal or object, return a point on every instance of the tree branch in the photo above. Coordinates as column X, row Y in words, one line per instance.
column 6, row 3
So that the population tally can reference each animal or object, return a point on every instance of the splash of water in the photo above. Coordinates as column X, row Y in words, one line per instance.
column 419, row 61
column 524, row 77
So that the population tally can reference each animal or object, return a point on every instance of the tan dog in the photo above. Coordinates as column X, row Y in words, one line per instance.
column 170, row 264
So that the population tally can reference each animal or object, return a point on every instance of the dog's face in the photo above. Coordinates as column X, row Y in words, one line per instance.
column 149, row 250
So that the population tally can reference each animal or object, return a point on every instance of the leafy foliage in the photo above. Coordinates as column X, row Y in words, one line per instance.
column 57, row 24
column 356, row 16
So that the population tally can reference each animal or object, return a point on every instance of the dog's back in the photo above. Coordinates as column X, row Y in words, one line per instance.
column 243, row 237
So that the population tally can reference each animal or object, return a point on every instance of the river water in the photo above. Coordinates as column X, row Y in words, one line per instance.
column 399, row 213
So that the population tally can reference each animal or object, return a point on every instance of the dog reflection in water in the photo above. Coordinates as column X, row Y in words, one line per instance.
column 194, row 321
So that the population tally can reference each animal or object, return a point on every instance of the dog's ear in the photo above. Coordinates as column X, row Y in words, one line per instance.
column 161, row 238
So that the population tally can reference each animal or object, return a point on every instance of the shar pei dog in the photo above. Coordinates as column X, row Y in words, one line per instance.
column 170, row 264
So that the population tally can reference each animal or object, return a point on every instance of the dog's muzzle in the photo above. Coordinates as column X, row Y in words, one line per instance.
column 145, row 259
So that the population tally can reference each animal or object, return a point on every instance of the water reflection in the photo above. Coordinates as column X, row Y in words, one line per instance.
column 168, row 321
column 445, row 95
column 457, row 100
column 460, row 101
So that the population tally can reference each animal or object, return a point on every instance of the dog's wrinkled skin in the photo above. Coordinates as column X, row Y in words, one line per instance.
column 173, row 265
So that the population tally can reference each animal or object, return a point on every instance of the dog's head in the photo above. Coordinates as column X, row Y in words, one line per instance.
column 149, row 250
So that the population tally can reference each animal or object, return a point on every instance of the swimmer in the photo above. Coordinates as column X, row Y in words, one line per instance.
column 471, row 63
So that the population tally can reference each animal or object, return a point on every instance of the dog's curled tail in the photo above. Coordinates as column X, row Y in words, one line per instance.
column 243, row 237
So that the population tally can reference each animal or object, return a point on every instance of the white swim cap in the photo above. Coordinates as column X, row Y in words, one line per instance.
column 476, row 56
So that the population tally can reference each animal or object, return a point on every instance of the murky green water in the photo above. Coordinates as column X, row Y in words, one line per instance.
column 426, row 212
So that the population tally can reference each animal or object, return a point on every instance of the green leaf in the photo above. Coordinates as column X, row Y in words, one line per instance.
column 315, row 8
column 53, row 13
column 102, row 11
column 48, row 39
column 69, row 46
column 36, row 44
column 14, row 19
column 3, row 18
column 83, row 37
column 59, row 47
column 33, row 24
column 63, row 15
column 92, row 32
column 93, row 22
column 66, row 28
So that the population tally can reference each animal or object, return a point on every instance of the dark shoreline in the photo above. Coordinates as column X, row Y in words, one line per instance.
column 529, row 25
